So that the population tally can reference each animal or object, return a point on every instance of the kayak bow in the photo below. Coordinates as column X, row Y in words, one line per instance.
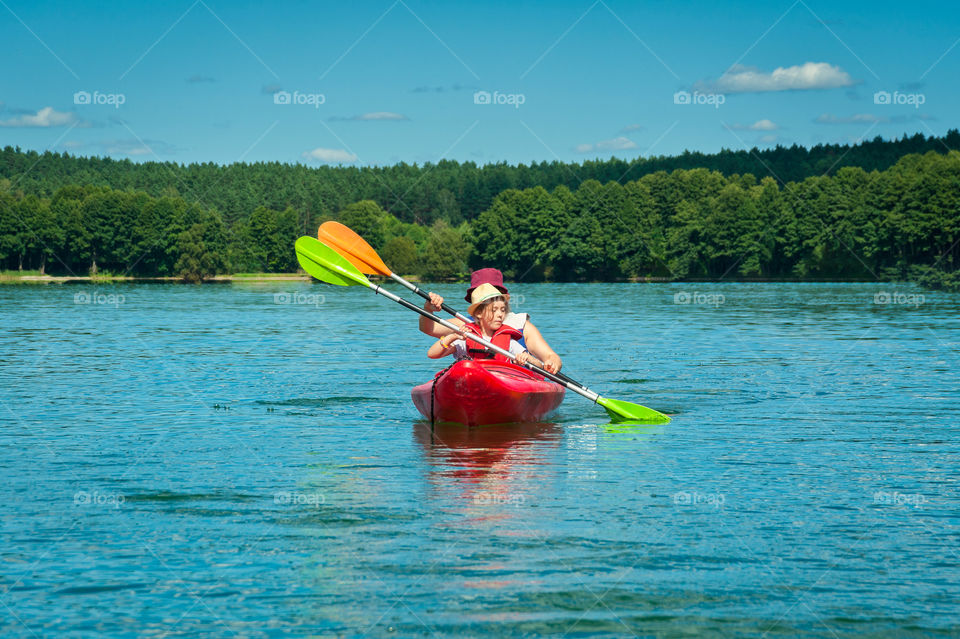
column 479, row 392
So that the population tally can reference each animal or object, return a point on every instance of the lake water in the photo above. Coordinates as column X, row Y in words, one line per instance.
column 245, row 460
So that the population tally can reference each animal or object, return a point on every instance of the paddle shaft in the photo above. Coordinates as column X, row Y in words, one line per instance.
column 589, row 394
column 463, row 318
column 425, row 295
column 327, row 265
column 362, row 256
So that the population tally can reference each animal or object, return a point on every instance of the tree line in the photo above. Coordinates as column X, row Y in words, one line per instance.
column 97, row 230
column 901, row 223
column 448, row 190
column 849, row 223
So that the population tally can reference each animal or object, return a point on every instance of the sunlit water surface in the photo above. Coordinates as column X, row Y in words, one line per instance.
column 245, row 460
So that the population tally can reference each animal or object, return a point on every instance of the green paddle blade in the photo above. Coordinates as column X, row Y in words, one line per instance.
column 325, row 264
column 621, row 411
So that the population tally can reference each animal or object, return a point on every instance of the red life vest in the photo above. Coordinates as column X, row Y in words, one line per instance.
column 500, row 338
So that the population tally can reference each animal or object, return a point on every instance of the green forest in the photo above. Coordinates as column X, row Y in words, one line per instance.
column 877, row 210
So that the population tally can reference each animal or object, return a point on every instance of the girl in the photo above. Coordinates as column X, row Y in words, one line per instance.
column 532, row 338
column 489, row 308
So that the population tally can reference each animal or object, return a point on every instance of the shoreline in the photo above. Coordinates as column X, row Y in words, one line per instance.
column 303, row 277
column 63, row 279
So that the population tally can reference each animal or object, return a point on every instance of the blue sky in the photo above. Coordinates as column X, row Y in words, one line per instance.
column 408, row 80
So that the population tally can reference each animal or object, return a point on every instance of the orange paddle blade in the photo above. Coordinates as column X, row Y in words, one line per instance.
column 353, row 247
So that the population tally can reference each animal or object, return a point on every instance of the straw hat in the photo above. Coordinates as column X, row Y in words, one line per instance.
column 481, row 294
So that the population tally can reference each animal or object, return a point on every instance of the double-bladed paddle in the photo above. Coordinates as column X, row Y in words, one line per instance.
column 358, row 252
column 327, row 265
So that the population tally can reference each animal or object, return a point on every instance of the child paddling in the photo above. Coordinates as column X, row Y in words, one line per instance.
column 530, row 336
column 489, row 308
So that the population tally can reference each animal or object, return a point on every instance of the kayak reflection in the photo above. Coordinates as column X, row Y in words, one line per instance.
column 487, row 465
column 471, row 452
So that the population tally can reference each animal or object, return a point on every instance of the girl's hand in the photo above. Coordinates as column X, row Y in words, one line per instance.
column 447, row 340
column 523, row 358
column 552, row 363
column 434, row 304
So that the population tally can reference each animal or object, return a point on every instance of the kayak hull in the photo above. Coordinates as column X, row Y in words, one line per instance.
column 477, row 392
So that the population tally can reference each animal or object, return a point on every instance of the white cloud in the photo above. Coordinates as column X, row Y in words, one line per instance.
column 382, row 115
column 768, row 139
column 631, row 127
column 129, row 149
column 45, row 117
column 804, row 77
column 764, row 125
column 137, row 147
column 621, row 143
column 368, row 117
column 759, row 125
column 859, row 118
column 330, row 155
column 441, row 89
column 617, row 144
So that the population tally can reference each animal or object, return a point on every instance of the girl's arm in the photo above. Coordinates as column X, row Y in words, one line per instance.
column 443, row 346
column 430, row 327
column 540, row 349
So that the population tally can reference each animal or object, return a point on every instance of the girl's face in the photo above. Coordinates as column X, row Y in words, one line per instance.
column 492, row 316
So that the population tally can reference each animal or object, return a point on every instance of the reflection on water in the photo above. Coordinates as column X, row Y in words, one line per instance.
column 481, row 448
column 490, row 469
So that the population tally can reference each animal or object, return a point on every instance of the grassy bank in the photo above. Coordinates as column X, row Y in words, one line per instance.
column 27, row 277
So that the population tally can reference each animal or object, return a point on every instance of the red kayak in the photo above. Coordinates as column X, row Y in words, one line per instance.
column 476, row 392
